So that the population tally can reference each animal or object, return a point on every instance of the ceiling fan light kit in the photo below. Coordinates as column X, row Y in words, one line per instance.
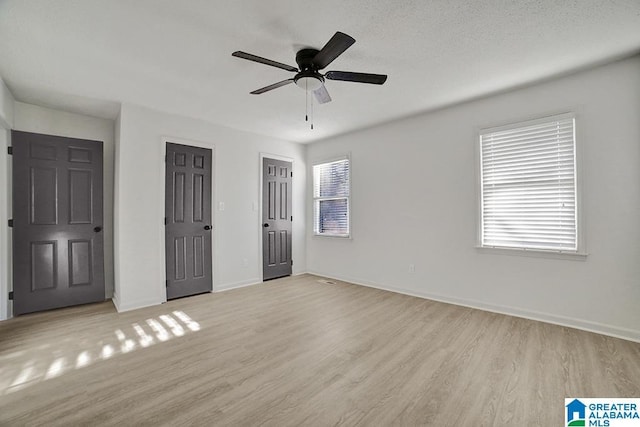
column 310, row 62
column 309, row 83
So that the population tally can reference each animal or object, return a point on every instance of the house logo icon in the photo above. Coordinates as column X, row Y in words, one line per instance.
column 575, row 413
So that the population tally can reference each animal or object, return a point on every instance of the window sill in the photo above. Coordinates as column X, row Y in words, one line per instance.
column 337, row 236
column 536, row 253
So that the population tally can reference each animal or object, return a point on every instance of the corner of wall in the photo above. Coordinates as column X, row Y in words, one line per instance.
column 5, row 232
column 116, row 209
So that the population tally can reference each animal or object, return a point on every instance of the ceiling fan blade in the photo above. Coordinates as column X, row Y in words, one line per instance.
column 347, row 76
column 271, row 87
column 255, row 58
column 322, row 95
column 334, row 48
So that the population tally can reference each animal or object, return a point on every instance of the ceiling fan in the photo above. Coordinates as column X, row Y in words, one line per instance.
column 310, row 62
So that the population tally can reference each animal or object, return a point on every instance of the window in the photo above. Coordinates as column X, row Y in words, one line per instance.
column 528, row 185
column 331, row 190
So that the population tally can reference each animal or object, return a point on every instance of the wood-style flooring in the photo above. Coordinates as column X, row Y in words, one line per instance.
column 296, row 351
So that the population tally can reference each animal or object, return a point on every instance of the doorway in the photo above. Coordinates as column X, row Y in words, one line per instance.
column 188, row 228
column 58, row 243
column 277, row 219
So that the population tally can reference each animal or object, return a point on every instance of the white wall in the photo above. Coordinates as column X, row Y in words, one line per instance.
column 414, row 201
column 32, row 118
column 6, row 123
column 139, row 202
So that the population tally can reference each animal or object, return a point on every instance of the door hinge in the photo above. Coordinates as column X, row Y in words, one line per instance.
column 291, row 262
column 291, row 217
column 166, row 157
column 10, row 295
column 10, row 223
column 165, row 220
column 10, row 150
column 166, row 283
column 291, row 174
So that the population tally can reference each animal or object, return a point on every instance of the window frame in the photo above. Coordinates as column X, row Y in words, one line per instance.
column 580, row 253
column 315, row 199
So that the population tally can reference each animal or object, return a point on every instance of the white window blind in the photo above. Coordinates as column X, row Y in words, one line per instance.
column 528, row 185
column 331, row 188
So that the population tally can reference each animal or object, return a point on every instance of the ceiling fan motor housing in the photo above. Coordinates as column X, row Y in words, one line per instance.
column 304, row 59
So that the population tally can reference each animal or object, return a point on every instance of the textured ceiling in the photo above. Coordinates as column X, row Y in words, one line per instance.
column 88, row 56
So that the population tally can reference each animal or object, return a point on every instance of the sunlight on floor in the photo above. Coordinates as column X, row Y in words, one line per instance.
column 107, row 352
column 52, row 361
column 56, row 368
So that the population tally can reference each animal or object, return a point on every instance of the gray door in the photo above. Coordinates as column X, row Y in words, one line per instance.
column 58, row 253
column 276, row 218
column 188, row 220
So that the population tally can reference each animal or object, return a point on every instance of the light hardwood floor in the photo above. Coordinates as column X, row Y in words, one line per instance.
column 299, row 352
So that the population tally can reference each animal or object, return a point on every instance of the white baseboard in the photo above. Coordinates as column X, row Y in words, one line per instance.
column 582, row 324
column 120, row 307
column 250, row 282
column 236, row 285
column 115, row 301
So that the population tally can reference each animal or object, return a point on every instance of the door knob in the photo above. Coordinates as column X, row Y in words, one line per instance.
column 207, row 227
column 265, row 225
column 97, row 229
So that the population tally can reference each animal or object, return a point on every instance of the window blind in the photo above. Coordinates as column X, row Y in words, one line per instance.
column 331, row 189
column 529, row 186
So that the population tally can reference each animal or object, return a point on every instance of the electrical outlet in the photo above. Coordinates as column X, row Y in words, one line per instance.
column 221, row 206
column 412, row 268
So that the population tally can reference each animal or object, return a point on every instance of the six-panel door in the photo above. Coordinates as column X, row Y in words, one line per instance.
column 188, row 220
column 57, row 216
column 276, row 218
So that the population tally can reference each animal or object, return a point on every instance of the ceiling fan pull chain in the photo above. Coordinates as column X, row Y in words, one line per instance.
column 306, row 103
column 311, row 112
